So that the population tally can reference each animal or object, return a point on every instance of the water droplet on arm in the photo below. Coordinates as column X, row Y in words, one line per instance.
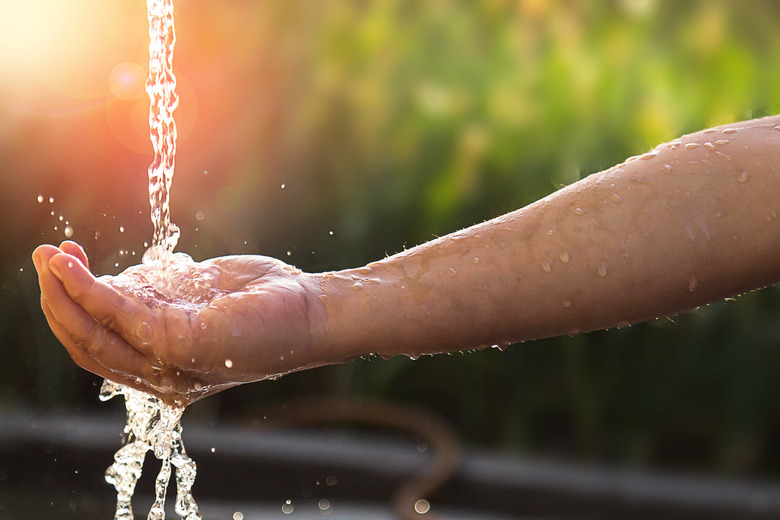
column 743, row 177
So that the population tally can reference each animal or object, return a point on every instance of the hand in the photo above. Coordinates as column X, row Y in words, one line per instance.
column 231, row 320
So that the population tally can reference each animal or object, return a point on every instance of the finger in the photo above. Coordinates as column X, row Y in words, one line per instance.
column 42, row 255
column 117, row 312
column 129, row 365
column 74, row 249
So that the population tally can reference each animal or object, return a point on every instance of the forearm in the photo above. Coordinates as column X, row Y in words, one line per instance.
column 694, row 221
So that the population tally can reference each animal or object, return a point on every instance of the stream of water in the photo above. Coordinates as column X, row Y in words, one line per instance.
column 151, row 424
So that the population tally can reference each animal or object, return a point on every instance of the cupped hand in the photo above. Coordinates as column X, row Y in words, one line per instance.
column 221, row 322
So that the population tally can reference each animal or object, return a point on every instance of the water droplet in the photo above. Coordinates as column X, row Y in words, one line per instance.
column 475, row 260
column 330, row 233
column 566, row 303
column 709, row 131
column 198, row 387
column 721, row 142
column 289, row 253
column 51, row 200
column 331, row 480
column 723, row 155
column 615, row 197
column 729, row 130
column 229, row 363
column 287, row 507
column 51, row 213
column 68, row 231
column 691, row 146
column 564, row 257
column 422, row 506
column 773, row 212
column 324, row 505
column 283, row 186
column 693, row 284
column 450, row 272
column 709, row 146
column 579, row 211
column 121, row 229
column 200, row 215
column 40, row 199
column 743, row 177
column 143, row 332
column 777, row 127
column 648, row 156
column 116, row 264
column 550, row 232
column 238, row 515
column 357, row 286
column 61, row 218
column 213, row 449
column 603, row 270
column 546, row 267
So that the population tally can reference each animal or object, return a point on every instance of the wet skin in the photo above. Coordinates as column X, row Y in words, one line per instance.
column 691, row 222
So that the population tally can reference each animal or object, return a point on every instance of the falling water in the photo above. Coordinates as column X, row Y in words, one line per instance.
column 151, row 424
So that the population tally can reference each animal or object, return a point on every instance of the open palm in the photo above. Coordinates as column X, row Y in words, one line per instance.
column 217, row 324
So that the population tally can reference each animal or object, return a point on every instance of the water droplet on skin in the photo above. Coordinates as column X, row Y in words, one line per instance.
column 729, row 130
column 743, row 177
column 450, row 272
column 475, row 260
column 579, row 211
column 143, row 332
column 61, row 218
column 330, row 233
column 357, row 286
column 546, row 267
column 198, row 387
column 603, row 270
column 229, row 363
column 691, row 146
column 693, row 284
column 289, row 253
column 723, row 155
column 615, row 197
column 721, row 142
column 287, row 507
column 56, row 228
column 564, row 257
column 773, row 212
column 709, row 146
column 709, row 131
column 40, row 199
column 238, row 515
column 283, row 186
column 51, row 200
column 121, row 229
column 200, row 215
column 777, row 127
column 566, row 303
column 550, row 232
column 68, row 231
column 51, row 213
column 648, row 156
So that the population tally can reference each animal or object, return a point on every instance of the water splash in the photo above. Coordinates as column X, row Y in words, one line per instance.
column 151, row 426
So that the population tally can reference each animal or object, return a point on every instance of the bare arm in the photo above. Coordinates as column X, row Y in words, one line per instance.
column 691, row 222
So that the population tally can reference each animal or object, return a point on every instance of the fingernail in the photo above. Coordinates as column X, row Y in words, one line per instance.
column 36, row 262
column 55, row 270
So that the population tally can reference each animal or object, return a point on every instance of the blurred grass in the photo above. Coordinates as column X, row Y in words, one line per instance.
column 390, row 122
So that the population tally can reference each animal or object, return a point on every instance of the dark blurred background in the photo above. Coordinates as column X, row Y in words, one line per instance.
column 331, row 133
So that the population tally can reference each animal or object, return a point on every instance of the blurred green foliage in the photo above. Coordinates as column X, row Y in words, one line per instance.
column 391, row 122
